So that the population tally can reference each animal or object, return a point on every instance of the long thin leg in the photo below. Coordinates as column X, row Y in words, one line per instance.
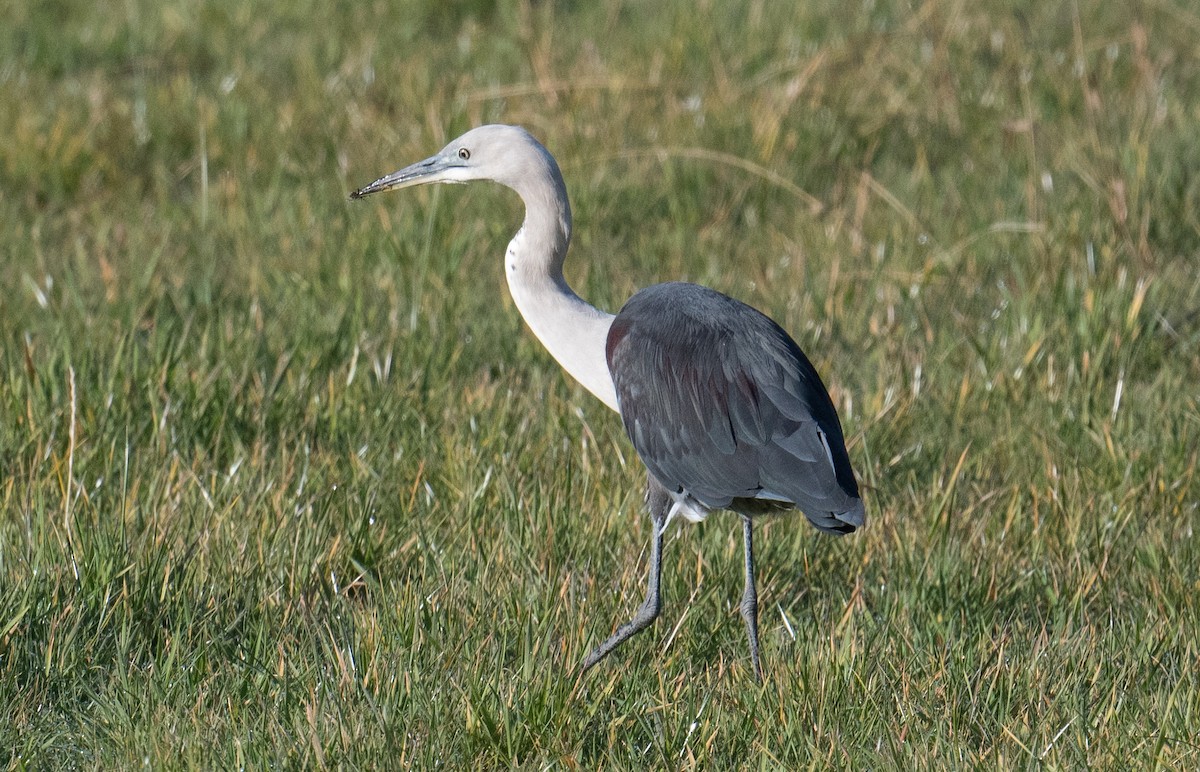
column 650, row 607
column 750, row 598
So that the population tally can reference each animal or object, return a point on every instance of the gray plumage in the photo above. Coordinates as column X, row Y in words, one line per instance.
column 721, row 405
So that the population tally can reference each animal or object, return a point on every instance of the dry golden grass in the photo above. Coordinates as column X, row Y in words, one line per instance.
column 284, row 481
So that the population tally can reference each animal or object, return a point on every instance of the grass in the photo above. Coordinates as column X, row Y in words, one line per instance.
column 284, row 481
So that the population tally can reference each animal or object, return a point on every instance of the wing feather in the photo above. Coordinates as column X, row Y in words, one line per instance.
column 721, row 404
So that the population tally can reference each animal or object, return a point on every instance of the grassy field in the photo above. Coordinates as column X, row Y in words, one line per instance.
column 285, row 481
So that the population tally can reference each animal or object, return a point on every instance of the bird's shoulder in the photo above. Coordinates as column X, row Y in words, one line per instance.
column 686, row 331
column 678, row 316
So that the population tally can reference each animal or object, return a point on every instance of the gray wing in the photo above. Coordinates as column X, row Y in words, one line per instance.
column 722, row 404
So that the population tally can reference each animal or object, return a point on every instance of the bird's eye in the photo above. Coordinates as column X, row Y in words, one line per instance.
column 463, row 153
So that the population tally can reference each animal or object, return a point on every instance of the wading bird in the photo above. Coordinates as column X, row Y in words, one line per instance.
column 723, row 407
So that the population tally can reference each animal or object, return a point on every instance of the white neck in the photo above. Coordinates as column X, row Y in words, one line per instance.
column 573, row 331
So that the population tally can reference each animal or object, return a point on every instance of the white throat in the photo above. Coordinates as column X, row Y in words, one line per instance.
column 574, row 332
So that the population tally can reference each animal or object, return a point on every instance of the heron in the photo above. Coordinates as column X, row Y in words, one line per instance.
column 722, row 406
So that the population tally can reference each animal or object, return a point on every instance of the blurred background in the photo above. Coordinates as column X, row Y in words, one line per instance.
column 284, row 479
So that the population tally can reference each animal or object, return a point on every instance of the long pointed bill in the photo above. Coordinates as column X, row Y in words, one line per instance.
column 435, row 169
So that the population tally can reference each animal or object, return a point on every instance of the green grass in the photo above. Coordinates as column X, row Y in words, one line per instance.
column 284, row 481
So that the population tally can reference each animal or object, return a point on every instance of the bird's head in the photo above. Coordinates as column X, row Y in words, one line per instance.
column 505, row 154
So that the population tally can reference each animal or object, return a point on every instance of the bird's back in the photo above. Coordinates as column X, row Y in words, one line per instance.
column 721, row 404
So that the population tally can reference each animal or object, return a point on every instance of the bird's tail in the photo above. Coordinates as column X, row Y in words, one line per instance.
column 840, row 522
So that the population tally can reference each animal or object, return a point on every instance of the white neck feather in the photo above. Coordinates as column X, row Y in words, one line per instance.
column 573, row 331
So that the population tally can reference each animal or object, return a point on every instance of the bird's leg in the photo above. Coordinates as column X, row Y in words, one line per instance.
column 653, row 603
column 749, row 606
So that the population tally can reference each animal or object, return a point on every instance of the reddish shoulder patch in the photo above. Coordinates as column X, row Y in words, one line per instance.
column 616, row 334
